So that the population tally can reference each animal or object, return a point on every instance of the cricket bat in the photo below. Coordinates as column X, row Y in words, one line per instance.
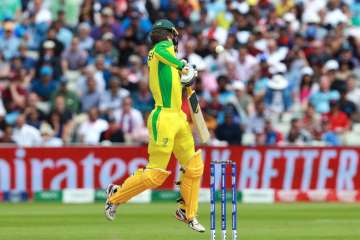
column 197, row 116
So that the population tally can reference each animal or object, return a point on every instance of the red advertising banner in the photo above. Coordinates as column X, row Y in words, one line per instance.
column 287, row 168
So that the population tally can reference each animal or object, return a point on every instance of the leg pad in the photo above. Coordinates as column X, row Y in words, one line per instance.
column 142, row 180
column 190, row 185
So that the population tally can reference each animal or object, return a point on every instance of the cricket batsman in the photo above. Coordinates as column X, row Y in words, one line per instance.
column 169, row 131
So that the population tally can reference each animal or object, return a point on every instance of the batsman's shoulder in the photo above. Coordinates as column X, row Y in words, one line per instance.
column 163, row 44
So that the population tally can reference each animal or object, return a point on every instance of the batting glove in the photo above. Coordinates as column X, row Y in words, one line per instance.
column 189, row 75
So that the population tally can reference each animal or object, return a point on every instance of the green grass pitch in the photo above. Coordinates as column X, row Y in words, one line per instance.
column 155, row 221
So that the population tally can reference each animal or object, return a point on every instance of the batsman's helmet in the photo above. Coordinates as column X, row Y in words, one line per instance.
column 161, row 28
column 165, row 24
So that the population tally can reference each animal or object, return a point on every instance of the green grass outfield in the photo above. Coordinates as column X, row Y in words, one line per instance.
column 155, row 221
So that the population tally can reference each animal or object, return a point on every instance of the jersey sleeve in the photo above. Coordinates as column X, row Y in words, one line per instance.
column 162, row 53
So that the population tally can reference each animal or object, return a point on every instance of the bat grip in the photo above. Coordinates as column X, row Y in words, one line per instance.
column 189, row 90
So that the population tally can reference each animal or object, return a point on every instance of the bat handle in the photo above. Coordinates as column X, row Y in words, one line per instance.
column 189, row 90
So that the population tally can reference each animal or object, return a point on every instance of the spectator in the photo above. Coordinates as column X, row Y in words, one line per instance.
column 50, row 58
column 136, row 67
column 42, row 14
column 284, row 6
column 48, row 138
column 63, row 14
column 51, row 42
column 140, row 26
column 33, row 34
column 102, row 71
column 14, row 95
column 90, row 73
column 247, row 64
column 338, row 120
column 87, row 12
column 91, row 98
column 74, row 58
column 277, row 96
column 113, row 98
column 213, row 141
column 18, row 68
column 229, row 131
column 269, row 136
column 33, row 101
column 63, row 33
column 46, row 84
column 90, row 131
column 207, row 79
column 272, row 137
column 306, row 85
column 4, row 67
column 61, row 119
column 25, row 135
column 9, row 43
column 256, row 122
column 353, row 91
column 199, row 85
column 242, row 101
column 297, row 134
column 85, row 41
column 7, row 135
column 108, row 24
column 214, row 106
column 330, row 69
column 346, row 106
column 33, row 117
column 142, row 98
column 125, row 80
column 27, row 62
column 224, row 94
column 346, row 53
column 312, row 121
column 275, row 53
column 345, row 70
column 131, row 122
column 262, row 79
column 113, row 134
column 321, row 99
column 126, row 48
column 328, row 136
column 110, row 54
column 72, row 101
column 190, row 47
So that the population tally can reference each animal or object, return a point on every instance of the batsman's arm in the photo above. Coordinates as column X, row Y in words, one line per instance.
column 166, row 57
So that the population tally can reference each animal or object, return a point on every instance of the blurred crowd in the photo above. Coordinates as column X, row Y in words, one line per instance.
column 75, row 72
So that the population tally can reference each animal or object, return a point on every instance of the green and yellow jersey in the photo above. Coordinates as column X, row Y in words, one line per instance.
column 164, row 75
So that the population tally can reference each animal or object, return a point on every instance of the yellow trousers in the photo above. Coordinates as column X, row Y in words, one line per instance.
column 169, row 133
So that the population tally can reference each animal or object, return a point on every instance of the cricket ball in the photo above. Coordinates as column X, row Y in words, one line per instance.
column 219, row 49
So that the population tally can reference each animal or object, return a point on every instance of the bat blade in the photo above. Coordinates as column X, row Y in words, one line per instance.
column 197, row 116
